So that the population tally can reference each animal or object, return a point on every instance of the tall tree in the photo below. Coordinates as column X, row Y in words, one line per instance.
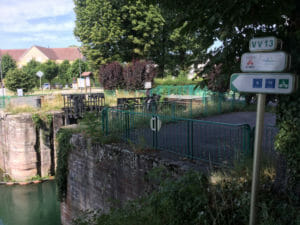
column 235, row 23
column 18, row 79
column 50, row 70
column 31, row 68
column 77, row 67
column 7, row 63
column 63, row 75
column 116, row 30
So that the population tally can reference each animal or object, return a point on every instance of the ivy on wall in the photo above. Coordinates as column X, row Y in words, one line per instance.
column 63, row 148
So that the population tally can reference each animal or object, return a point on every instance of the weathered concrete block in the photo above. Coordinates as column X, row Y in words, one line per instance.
column 23, row 152
column 99, row 174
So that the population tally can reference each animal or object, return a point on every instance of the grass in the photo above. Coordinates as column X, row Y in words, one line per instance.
column 49, row 103
column 180, row 80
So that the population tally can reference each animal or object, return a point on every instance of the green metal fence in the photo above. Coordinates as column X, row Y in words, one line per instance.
column 188, row 108
column 218, row 143
column 4, row 100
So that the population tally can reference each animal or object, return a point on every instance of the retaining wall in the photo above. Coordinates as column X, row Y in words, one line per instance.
column 101, row 175
column 25, row 151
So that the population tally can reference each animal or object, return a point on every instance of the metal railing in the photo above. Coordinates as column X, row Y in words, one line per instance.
column 75, row 105
column 218, row 143
column 187, row 108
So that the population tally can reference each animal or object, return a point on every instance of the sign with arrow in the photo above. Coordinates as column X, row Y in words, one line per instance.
column 270, row 83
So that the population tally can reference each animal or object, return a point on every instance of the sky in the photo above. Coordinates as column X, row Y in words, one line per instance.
column 47, row 23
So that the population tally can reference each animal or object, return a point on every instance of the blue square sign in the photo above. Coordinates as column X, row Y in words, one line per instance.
column 257, row 83
column 270, row 83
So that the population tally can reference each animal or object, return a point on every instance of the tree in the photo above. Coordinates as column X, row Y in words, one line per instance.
column 50, row 70
column 116, row 30
column 111, row 76
column 18, row 79
column 235, row 23
column 31, row 68
column 7, row 63
column 137, row 73
column 63, row 75
column 77, row 67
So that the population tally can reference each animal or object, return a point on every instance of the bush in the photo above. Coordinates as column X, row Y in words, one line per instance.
column 18, row 79
column 111, row 76
column 193, row 200
column 137, row 73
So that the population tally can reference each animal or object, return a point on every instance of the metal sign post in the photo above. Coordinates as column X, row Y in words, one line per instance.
column 257, row 154
column 262, row 62
column 40, row 74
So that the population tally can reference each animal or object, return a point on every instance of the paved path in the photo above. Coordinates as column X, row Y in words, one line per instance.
column 241, row 118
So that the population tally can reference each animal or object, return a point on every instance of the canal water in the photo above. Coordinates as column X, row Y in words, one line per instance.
column 33, row 204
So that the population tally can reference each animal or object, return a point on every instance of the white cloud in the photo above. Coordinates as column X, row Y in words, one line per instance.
column 44, row 37
column 12, row 11
column 24, row 26
column 46, row 22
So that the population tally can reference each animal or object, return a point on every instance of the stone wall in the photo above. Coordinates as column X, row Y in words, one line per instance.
column 24, row 152
column 99, row 175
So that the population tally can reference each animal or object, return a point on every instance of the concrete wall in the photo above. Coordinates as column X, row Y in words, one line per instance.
column 99, row 175
column 24, row 151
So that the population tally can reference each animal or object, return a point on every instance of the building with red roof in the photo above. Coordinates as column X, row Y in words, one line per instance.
column 42, row 54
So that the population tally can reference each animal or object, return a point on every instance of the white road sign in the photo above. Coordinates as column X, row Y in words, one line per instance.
column 270, row 83
column 263, row 44
column 155, row 123
column 39, row 74
column 264, row 62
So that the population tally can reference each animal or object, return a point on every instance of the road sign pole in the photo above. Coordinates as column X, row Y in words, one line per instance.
column 257, row 155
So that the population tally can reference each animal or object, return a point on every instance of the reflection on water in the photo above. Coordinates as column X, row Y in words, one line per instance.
column 33, row 204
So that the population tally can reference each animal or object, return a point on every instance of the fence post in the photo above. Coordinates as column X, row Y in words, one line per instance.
column 232, row 100
column 191, row 108
column 220, row 102
column 205, row 101
column 105, row 121
column 173, row 110
column 188, row 138
column 127, row 125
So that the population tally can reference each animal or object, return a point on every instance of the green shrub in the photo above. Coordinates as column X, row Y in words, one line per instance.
column 192, row 200
column 18, row 79
column 63, row 148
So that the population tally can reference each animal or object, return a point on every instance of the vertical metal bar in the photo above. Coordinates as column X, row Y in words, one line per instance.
column 191, row 108
column 257, row 155
column 156, row 132
column 219, row 102
column 192, row 139
column 205, row 102
column 188, row 138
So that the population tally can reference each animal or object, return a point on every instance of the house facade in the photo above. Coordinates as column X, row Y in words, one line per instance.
column 42, row 54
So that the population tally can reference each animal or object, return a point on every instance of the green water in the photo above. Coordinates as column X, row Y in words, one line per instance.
column 33, row 204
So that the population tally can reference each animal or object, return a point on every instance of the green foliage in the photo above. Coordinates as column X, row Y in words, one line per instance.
column 77, row 67
column 7, row 63
column 235, row 23
column 50, row 70
column 182, row 79
column 61, row 175
column 31, row 68
column 116, row 30
column 18, row 79
column 192, row 199
column 92, row 127
column 64, row 77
